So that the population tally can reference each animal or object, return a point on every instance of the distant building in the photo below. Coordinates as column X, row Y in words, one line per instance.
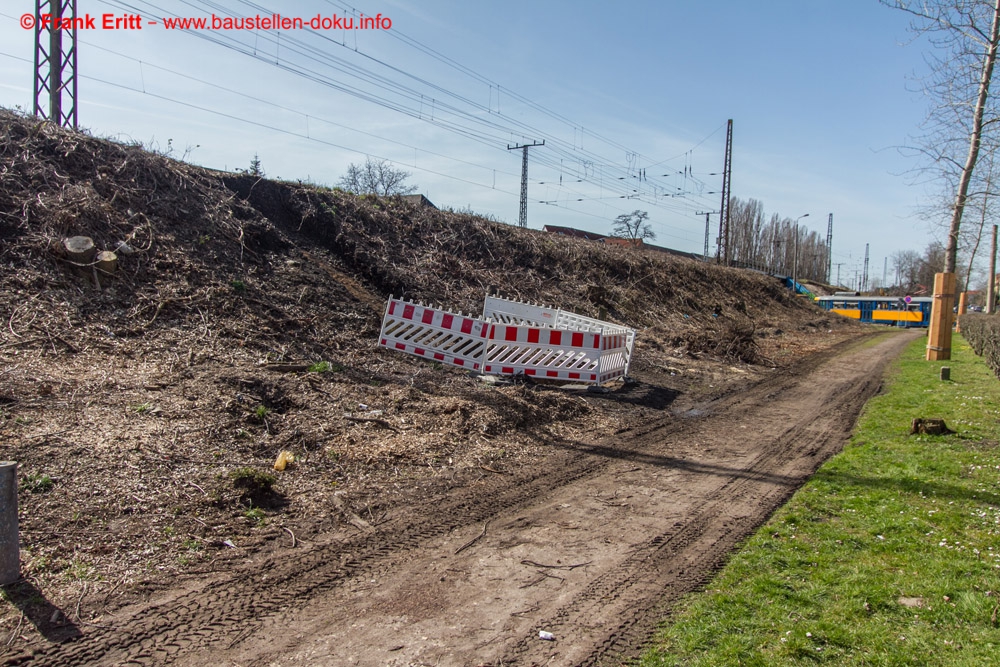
column 418, row 200
column 575, row 233
column 614, row 240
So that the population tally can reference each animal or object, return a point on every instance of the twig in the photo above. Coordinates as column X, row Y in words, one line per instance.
column 545, row 575
column 20, row 342
column 287, row 368
column 290, row 533
column 473, row 540
column 77, row 613
column 322, row 391
column 21, row 620
column 489, row 469
column 10, row 323
column 83, row 592
column 555, row 567
column 114, row 588
column 526, row 611
column 203, row 492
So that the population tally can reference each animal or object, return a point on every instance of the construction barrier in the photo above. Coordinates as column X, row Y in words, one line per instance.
column 512, row 338
column 433, row 333
column 517, row 312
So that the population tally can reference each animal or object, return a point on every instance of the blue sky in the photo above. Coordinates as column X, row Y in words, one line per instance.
column 820, row 94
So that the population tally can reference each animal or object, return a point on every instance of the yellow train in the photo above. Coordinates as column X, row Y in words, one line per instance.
column 908, row 311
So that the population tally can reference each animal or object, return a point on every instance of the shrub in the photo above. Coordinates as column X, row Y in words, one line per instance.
column 983, row 333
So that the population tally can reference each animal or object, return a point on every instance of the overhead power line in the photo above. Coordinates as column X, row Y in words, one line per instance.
column 421, row 98
column 400, row 97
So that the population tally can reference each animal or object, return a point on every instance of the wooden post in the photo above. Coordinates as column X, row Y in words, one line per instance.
column 939, row 336
column 962, row 307
column 10, row 551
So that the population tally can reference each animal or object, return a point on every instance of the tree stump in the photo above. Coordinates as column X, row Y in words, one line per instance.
column 80, row 250
column 107, row 262
column 929, row 427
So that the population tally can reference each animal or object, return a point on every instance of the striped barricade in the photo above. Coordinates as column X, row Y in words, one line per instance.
column 434, row 333
column 512, row 338
column 517, row 312
column 616, row 355
column 543, row 352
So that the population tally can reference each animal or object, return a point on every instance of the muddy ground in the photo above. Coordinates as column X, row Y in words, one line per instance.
column 593, row 543
column 146, row 407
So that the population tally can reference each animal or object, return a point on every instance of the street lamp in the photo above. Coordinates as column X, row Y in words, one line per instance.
column 795, row 255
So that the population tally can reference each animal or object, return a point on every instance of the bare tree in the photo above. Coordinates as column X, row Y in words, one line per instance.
column 633, row 226
column 906, row 264
column 746, row 223
column 772, row 245
column 967, row 33
column 376, row 177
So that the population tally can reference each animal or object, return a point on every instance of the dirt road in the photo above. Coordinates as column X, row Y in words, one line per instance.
column 593, row 545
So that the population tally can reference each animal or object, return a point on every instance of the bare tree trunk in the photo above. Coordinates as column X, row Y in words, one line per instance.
column 982, row 224
column 975, row 140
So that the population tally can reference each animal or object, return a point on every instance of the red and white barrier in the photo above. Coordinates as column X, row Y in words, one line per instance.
column 434, row 333
column 543, row 352
column 517, row 312
column 512, row 338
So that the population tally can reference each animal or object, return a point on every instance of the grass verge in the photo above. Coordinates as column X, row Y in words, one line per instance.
column 889, row 555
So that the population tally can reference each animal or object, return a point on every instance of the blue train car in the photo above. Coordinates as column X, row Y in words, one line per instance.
column 891, row 310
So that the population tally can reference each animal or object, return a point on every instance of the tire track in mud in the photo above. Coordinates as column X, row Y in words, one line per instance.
column 224, row 612
column 642, row 589
column 200, row 618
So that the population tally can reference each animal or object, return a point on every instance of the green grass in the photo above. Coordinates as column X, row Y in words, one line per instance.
column 889, row 555
column 36, row 482
column 256, row 515
column 325, row 367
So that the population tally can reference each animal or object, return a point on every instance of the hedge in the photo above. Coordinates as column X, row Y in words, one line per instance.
column 983, row 333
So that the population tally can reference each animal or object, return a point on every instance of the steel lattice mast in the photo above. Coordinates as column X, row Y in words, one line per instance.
column 727, row 175
column 829, row 248
column 55, row 62
column 522, row 218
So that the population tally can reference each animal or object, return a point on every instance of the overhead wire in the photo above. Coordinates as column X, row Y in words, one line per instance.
column 299, row 46
column 295, row 111
column 475, row 128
